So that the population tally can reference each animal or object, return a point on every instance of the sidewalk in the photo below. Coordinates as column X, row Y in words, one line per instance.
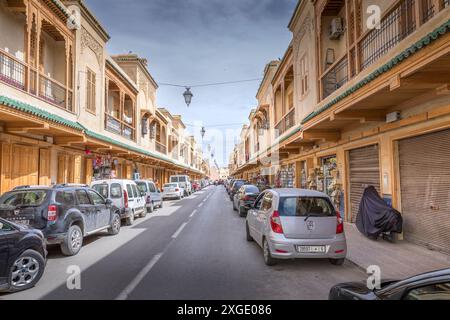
column 397, row 260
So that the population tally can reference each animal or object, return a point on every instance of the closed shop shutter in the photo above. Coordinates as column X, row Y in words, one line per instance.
column 89, row 171
column 44, row 167
column 425, row 189
column 77, row 169
column 364, row 171
column 5, row 166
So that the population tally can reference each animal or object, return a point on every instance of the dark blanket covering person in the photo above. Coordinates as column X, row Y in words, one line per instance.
column 376, row 217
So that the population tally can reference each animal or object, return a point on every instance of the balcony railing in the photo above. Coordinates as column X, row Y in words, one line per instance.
column 14, row 73
column 113, row 125
column 335, row 76
column 399, row 23
column 161, row 148
column 286, row 123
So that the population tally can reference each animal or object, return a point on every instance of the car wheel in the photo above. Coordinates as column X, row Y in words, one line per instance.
column 267, row 256
column 72, row 242
column 161, row 204
column 130, row 220
column 26, row 271
column 247, row 233
column 115, row 225
column 149, row 209
column 337, row 262
column 242, row 212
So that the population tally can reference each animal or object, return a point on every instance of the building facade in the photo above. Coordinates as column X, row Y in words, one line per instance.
column 357, row 106
column 69, row 112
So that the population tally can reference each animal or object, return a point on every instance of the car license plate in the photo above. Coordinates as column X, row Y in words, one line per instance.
column 311, row 249
column 20, row 221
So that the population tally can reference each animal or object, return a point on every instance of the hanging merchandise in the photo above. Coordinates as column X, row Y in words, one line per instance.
column 103, row 167
column 286, row 176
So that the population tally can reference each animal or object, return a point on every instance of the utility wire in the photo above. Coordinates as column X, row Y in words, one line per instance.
column 208, row 84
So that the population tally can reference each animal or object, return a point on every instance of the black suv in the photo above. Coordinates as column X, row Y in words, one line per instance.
column 64, row 213
column 22, row 256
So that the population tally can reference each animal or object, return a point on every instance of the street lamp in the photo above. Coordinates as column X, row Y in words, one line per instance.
column 203, row 132
column 188, row 96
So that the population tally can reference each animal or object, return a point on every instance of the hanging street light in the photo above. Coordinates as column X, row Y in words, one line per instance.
column 188, row 96
column 203, row 132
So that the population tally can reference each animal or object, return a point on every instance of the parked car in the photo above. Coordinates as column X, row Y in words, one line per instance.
column 172, row 191
column 64, row 213
column 184, row 182
column 244, row 198
column 296, row 223
column 237, row 184
column 22, row 256
column 125, row 195
column 428, row 286
column 153, row 196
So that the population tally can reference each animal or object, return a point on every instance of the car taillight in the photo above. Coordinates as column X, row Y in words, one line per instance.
column 340, row 223
column 149, row 199
column 275, row 222
column 125, row 198
column 52, row 213
column 177, row 189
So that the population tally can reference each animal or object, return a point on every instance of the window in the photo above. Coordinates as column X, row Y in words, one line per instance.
column 4, row 227
column 142, row 186
column 102, row 189
column 251, row 189
column 304, row 75
column 82, row 197
column 304, row 206
column 96, row 198
column 267, row 202
column 152, row 187
column 259, row 201
column 174, row 179
column 438, row 291
column 90, row 90
column 24, row 198
column 65, row 198
column 135, row 191
column 116, row 191
column 130, row 191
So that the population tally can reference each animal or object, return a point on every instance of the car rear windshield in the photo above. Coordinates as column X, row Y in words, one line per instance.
column 142, row 186
column 304, row 206
column 238, row 184
column 182, row 179
column 174, row 179
column 102, row 189
column 29, row 198
column 170, row 185
column 251, row 189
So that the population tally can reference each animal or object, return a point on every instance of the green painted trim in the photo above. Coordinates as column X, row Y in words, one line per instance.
column 34, row 111
column 62, row 7
column 434, row 35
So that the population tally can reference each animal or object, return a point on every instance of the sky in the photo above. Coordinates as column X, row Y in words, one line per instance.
column 195, row 42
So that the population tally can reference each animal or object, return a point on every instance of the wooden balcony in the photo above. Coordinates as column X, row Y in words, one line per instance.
column 402, row 19
column 16, row 73
column 161, row 148
column 285, row 124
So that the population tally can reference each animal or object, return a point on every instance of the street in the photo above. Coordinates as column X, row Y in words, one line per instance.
column 191, row 249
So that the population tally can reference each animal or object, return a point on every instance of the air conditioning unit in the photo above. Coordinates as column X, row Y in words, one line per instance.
column 336, row 28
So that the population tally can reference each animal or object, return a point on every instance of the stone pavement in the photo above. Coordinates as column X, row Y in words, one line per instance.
column 397, row 260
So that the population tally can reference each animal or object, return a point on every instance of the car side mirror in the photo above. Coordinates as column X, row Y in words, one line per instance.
column 108, row 202
column 142, row 194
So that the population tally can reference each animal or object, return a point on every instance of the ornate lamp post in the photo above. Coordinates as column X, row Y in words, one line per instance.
column 188, row 96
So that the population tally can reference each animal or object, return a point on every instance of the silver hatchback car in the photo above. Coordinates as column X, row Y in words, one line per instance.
column 296, row 223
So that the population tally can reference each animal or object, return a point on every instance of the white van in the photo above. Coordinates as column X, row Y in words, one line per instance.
column 125, row 195
column 184, row 182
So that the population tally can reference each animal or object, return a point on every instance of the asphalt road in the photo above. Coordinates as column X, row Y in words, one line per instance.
column 191, row 249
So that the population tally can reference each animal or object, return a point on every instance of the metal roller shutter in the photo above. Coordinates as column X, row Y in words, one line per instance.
column 425, row 189
column 364, row 171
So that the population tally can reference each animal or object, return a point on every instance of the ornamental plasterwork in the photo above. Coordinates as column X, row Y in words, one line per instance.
column 88, row 41
column 307, row 26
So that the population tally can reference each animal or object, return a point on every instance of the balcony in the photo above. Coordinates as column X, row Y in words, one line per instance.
column 402, row 19
column 285, row 124
column 161, row 148
column 14, row 73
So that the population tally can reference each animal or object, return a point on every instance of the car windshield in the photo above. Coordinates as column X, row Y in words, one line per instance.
column 29, row 198
column 251, row 189
column 102, row 189
column 142, row 186
column 170, row 185
column 304, row 206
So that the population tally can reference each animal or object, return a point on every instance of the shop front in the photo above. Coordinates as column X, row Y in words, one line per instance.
column 286, row 176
